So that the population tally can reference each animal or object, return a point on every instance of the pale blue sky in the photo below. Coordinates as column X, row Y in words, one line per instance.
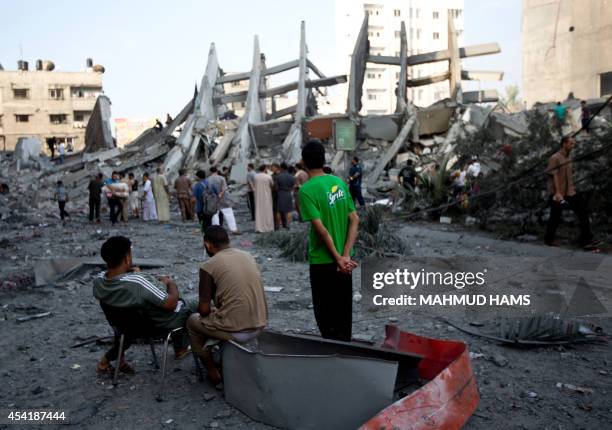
column 154, row 51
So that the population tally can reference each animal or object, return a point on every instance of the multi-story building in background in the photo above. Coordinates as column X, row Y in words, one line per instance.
column 566, row 48
column 46, row 104
column 427, row 30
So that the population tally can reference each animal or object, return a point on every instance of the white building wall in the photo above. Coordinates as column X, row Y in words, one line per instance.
column 426, row 28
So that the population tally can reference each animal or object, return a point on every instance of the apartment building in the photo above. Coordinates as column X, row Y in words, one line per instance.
column 566, row 48
column 46, row 104
column 427, row 30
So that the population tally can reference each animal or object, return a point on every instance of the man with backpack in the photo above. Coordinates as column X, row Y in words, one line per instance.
column 207, row 202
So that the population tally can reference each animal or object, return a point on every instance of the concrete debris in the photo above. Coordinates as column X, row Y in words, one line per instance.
column 98, row 134
column 27, row 151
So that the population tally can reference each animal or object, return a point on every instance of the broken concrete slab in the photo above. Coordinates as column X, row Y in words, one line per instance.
column 98, row 134
column 101, row 155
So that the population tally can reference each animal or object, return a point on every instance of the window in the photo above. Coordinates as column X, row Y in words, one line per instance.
column 418, row 12
column 56, row 94
column 459, row 33
column 436, row 15
column 397, row 34
column 397, row 12
column 411, row 33
column 371, row 75
column 605, row 84
column 22, row 118
column 436, row 35
column 410, row 13
column 455, row 13
column 397, row 53
column 58, row 118
column 81, row 115
column 397, row 75
column 21, row 93
column 371, row 96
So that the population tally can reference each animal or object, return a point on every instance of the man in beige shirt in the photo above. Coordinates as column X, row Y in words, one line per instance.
column 231, row 280
column 563, row 195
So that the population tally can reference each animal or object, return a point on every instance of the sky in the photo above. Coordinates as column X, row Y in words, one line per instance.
column 155, row 51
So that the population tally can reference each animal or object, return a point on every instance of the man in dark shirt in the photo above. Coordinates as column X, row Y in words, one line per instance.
column 407, row 176
column 283, row 184
column 158, row 298
column 355, row 177
column 95, row 190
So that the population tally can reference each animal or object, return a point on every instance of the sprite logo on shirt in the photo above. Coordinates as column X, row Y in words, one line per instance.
column 335, row 194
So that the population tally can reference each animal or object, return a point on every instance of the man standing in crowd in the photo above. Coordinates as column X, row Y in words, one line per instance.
column 231, row 280
column 219, row 186
column 161, row 193
column 149, row 211
column 560, row 112
column 355, row 177
column 124, row 189
column 182, row 185
column 275, row 171
column 585, row 115
column 114, row 204
column 325, row 201
column 95, row 190
column 199, row 189
column 62, row 152
column 158, row 299
column 283, row 184
column 134, row 197
column 61, row 195
column 250, row 177
column 563, row 195
column 264, row 215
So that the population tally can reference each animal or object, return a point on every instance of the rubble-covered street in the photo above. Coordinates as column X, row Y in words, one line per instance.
column 40, row 369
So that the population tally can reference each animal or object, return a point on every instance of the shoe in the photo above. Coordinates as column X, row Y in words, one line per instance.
column 178, row 355
column 236, row 233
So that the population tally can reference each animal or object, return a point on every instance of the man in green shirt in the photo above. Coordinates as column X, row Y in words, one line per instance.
column 326, row 202
column 158, row 298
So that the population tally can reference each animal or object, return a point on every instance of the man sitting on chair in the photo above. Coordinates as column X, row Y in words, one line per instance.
column 230, row 279
column 157, row 299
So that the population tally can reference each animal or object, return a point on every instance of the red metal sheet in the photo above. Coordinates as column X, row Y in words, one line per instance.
column 446, row 401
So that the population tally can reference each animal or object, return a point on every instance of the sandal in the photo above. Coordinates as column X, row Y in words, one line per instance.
column 126, row 368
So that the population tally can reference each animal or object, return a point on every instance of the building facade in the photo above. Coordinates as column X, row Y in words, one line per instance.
column 426, row 31
column 46, row 104
column 566, row 48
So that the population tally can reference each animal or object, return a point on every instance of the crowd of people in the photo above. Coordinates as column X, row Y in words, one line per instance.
column 231, row 302
column 272, row 196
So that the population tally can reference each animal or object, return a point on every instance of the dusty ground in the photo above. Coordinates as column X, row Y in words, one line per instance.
column 38, row 369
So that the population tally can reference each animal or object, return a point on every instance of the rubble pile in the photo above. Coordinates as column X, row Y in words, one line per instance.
column 513, row 151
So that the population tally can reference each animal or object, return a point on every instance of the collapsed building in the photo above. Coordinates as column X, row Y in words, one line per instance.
column 206, row 133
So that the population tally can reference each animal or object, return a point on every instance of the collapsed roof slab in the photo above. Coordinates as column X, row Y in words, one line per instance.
column 443, row 55
column 359, row 61
column 253, row 114
column 98, row 134
column 205, row 107
column 241, row 96
column 402, row 97
column 293, row 143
